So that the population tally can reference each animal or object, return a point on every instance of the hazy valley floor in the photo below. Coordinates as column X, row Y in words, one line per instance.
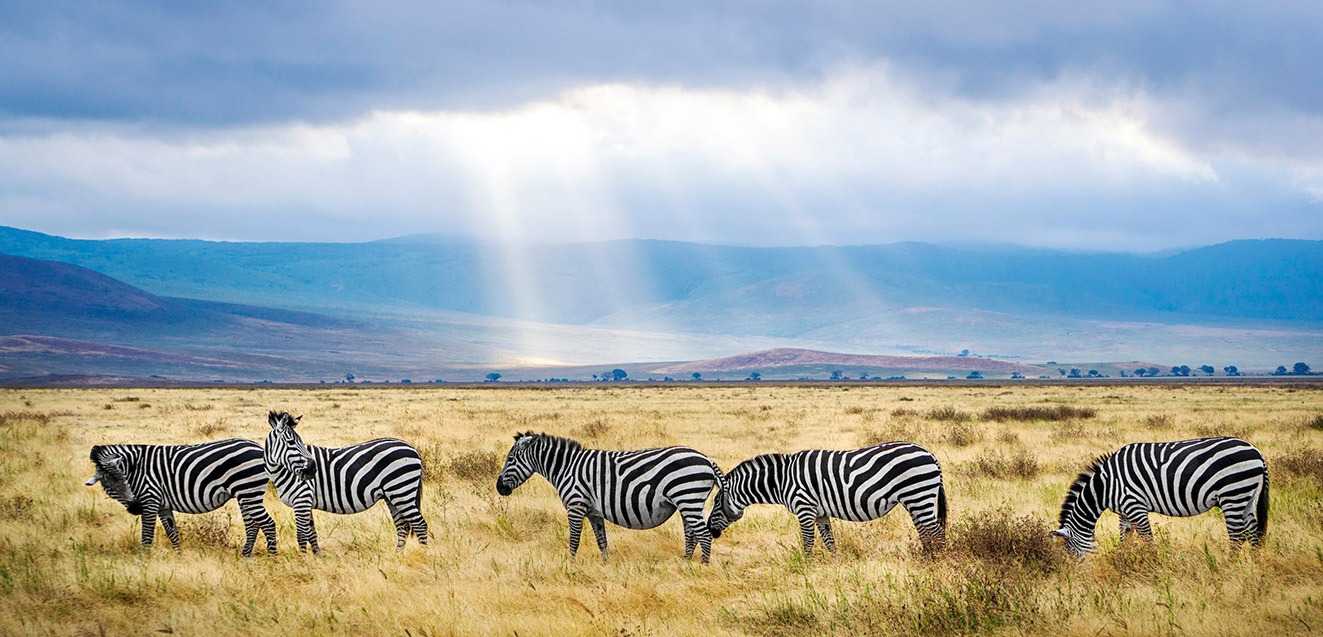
column 69, row 562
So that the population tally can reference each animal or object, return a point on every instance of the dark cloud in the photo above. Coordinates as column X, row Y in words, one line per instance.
column 235, row 62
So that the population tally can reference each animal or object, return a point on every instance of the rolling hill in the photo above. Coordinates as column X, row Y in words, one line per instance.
column 434, row 307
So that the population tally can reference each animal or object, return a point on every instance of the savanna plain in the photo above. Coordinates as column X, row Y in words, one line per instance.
column 70, row 561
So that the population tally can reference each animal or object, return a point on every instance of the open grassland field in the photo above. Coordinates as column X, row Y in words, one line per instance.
column 70, row 564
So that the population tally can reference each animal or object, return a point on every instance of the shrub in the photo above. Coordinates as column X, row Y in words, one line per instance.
column 1021, row 464
column 1021, row 414
column 947, row 414
column 904, row 412
column 1301, row 463
column 595, row 428
column 1158, row 422
column 476, row 466
column 962, row 434
column 1315, row 423
column 207, row 529
column 999, row 539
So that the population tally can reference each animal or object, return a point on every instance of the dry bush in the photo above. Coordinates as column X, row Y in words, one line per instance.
column 947, row 414
column 1306, row 462
column 202, row 407
column 962, row 434
column 1021, row 464
column 476, row 466
column 209, row 429
column 16, row 507
column 1002, row 540
column 1008, row 437
column 433, row 455
column 1315, row 423
column 1158, row 422
column 206, row 529
column 10, row 418
column 128, row 399
column 1216, row 430
column 593, row 429
column 1067, row 431
column 1024, row 414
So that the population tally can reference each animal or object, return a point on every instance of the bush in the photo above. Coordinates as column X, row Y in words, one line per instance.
column 947, row 414
column 595, row 428
column 962, row 434
column 1315, row 423
column 206, row 529
column 1021, row 464
column 1301, row 463
column 1157, row 422
column 476, row 466
column 999, row 539
column 1021, row 414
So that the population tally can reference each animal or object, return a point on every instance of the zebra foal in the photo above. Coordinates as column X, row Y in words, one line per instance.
column 1179, row 479
column 634, row 489
column 344, row 480
column 156, row 481
column 857, row 485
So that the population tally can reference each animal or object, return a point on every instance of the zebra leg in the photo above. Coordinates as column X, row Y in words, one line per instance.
column 402, row 526
column 824, row 529
column 696, row 533
column 168, row 523
column 576, row 528
column 306, row 530
column 806, row 522
column 409, row 519
column 255, row 517
column 148, row 525
column 599, row 531
column 419, row 527
column 1239, row 520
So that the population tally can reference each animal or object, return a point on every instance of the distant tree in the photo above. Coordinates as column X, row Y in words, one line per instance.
column 668, row 379
column 1207, row 369
column 863, row 376
column 1280, row 371
column 1093, row 373
column 1141, row 371
column 493, row 377
column 1074, row 373
column 619, row 374
column 1300, row 369
column 594, row 376
column 697, row 376
column 1153, row 371
column 755, row 376
column 964, row 352
column 837, row 374
column 1061, row 371
column 1016, row 375
column 1180, row 370
column 975, row 375
column 1231, row 370
column 349, row 378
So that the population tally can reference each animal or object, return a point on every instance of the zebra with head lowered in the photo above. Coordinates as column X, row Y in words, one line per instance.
column 156, row 481
column 857, row 485
column 634, row 489
column 1180, row 479
column 345, row 479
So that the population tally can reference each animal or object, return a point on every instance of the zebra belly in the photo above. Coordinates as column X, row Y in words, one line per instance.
column 647, row 518
column 208, row 502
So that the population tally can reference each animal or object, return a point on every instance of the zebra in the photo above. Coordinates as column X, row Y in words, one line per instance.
column 857, row 485
column 637, row 489
column 155, row 481
column 1181, row 479
column 344, row 480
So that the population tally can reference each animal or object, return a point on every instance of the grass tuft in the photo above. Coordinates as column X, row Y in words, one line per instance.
column 1026, row 414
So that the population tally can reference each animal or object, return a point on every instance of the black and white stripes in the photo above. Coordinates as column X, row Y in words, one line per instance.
column 156, row 481
column 858, row 485
column 634, row 489
column 1178, row 479
column 345, row 479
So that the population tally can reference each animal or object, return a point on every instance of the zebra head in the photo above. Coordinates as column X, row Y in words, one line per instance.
column 285, row 450
column 1080, row 511
column 112, row 472
column 519, row 465
column 727, row 508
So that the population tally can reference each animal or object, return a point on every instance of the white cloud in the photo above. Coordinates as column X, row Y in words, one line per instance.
column 861, row 156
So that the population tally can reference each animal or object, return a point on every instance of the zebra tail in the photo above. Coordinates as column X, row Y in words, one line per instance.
column 941, row 505
column 1261, row 507
column 721, row 477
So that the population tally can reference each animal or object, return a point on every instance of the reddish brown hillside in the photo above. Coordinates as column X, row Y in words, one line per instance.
column 789, row 357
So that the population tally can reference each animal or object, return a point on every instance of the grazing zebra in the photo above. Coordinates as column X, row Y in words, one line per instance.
column 1180, row 479
column 634, row 489
column 155, row 481
column 858, row 485
column 345, row 479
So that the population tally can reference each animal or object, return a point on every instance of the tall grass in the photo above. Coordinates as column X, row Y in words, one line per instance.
column 70, row 563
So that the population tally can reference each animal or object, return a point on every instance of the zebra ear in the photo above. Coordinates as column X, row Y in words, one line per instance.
column 1062, row 532
column 91, row 482
column 273, row 419
column 295, row 421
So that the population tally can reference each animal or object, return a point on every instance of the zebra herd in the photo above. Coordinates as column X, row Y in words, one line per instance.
column 641, row 489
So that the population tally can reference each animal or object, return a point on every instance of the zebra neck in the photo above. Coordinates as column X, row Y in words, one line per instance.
column 557, row 465
column 764, row 479
column 1085, row 503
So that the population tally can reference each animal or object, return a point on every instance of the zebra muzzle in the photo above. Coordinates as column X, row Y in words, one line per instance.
column 502, row 489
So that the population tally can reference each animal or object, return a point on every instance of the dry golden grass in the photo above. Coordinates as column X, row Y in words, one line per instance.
column 69, row 562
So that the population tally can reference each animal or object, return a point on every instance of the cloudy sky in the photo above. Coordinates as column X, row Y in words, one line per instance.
column 1118, row 125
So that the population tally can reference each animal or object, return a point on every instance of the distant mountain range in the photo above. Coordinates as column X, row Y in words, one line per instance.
column 435, row 307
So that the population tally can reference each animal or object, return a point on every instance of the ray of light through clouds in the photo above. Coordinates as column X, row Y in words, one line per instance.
column 1104, row 126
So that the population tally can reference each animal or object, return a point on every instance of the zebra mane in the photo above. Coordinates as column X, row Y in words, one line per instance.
column 555, row 440
column 1077, row 487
